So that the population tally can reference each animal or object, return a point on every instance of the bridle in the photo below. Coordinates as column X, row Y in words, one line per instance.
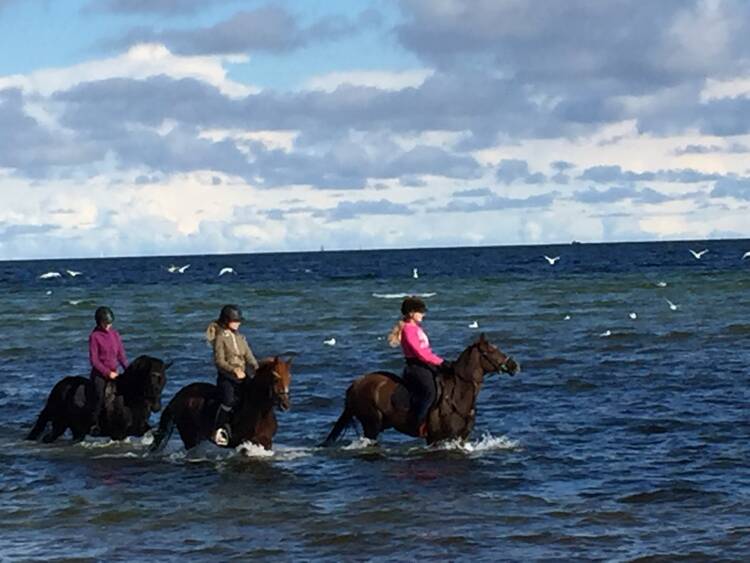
column 497, row 368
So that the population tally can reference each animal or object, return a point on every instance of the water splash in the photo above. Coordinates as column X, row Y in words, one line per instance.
column 249, row 449
column 486, row 443
column 402, row 295
column 360, row 443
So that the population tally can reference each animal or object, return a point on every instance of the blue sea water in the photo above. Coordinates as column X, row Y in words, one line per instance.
column 622, row 438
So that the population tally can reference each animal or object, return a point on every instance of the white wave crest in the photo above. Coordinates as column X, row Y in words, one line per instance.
column 486, row 443
column 360, row 443
column 248, row 449
column 402, row 295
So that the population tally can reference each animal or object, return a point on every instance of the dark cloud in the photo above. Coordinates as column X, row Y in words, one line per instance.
column 167, row 7
column 352, row 209
column 268, row 28
column 738, row 188
column 12, row 230
column 510, row 170
column 732, row 148
column 476, row 192
column 495, row 202
column 615, row 194
column 615, row 174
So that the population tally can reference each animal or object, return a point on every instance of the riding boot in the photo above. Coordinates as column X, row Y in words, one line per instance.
column 222, row 429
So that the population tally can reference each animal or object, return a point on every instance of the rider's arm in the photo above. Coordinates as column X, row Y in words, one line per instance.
column 249, row 356
column 220, row 356
column 121, row 357
column 94, row 356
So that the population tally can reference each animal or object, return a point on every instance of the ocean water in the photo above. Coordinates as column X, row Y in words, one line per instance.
column 622, row 438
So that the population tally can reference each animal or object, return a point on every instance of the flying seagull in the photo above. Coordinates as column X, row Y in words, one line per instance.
column 698, row 255
column 227, row 270
column 50, row 275
column 746, row 255
column 73, row 273
column 182, row 269
column 671, row 305
column 551, row 260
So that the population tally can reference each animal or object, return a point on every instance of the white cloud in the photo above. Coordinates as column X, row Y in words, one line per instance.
column 140, row 61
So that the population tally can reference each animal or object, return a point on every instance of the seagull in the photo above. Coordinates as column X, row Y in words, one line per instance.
column 330, row 342
column 633, row 316
column 50, row 275
column 473, row 324
column 172, row 269
column 182, row 269
column 746, row 255
column 661, row 284
column 73, row 273
column 567, row 318
column 551, row 260
column 698, row 255
column 75, row 302
column 415, row 273
column 606, row 333
column 227, row 270
column 671, row 305
column 49, row 292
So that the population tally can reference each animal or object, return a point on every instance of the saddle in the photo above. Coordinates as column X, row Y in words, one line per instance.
column 401, row 399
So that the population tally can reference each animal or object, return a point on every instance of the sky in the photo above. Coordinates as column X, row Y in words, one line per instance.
column 170, row 127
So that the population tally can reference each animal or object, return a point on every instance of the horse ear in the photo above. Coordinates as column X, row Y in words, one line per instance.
column 275, row 359
column 289, row 361
column 482, row 339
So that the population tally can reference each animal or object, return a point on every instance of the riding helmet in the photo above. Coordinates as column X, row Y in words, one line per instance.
column 230, row 313
column 412, row 305
column 104, row 316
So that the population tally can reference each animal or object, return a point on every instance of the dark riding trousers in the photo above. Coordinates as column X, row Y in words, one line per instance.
column 97, row 387
column 229, row 391
column 419, row 378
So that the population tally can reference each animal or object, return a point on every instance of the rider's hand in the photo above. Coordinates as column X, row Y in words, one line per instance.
column 112, row 375
column 239, row 373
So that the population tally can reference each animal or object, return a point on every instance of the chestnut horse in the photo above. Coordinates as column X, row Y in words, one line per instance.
column 379, row 400
column 193, row 409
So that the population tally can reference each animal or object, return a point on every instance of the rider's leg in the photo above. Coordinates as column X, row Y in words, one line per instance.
column 423, row 382
column 228, row 398
column 98, row 386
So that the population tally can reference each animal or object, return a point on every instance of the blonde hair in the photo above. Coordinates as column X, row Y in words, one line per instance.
column 394, row 337
column 211, row 331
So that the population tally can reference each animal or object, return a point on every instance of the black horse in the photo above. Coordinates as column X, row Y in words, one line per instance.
column 128, row 402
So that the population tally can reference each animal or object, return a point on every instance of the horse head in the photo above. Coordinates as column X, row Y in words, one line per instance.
column 145, row 378
column 493, row 360
column 275, row 375
column 482, row 358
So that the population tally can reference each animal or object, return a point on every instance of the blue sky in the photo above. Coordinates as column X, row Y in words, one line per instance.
column 183, row 126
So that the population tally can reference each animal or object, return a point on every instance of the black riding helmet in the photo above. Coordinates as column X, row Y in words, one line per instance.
column 104, row 316
column 412, row 305
column 230, row 313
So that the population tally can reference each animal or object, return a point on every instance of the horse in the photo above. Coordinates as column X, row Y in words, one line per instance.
column 379, row 400
column 128, row 402
column 193, row 409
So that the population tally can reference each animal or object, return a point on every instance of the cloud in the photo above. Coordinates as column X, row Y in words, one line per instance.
column 494, row 202
column 738, row 188
column 605, row 174
column 267, row 28
column 615, row 194
column 346, row 210
column 166, row 7
column 510, row 170
column 383, row 80
column 731, row 148
column 476, row 192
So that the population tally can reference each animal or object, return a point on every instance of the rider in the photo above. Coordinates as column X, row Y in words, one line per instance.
column 232, row 355
column 105, row 352
column 419, row 374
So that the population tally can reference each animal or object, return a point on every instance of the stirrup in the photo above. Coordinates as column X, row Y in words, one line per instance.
column 221, row 437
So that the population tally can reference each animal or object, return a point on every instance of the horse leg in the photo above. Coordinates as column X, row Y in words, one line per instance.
column 372, row 423
column 41, row 424
column 58, row 429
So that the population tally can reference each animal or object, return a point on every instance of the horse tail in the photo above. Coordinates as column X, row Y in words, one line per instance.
column 41, row 423
column 342, row 423
column 164, row 432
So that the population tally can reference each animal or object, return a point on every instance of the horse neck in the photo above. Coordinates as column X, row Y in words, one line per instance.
column 260, row 396
column 468, row 368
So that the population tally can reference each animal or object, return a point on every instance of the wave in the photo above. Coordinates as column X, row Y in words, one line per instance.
column 486, row 443
column 402, row 295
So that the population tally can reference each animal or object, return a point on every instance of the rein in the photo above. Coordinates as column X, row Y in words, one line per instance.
column 495, row 367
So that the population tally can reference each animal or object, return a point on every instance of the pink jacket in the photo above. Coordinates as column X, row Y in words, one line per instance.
column 106, row 351
column 416, row 345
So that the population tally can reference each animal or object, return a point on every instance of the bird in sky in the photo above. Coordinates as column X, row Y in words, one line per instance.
column 698, row 255
column 227, row 270
column 551, row 261
column 73, row 273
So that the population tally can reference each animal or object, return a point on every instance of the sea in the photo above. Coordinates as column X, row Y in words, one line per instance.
column 625, row 437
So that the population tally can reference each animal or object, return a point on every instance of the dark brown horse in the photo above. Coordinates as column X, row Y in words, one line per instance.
column 128, row 402
column 193, row 409
column 379, row 400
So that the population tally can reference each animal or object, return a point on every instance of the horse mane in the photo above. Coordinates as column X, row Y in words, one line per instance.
column 134, row 378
